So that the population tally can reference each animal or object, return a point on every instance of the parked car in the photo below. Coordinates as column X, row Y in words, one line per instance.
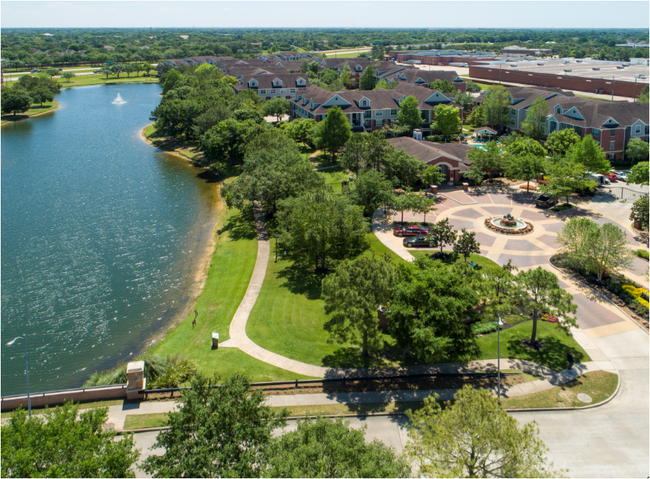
column 544, row 201
column 613, row 177
column 621, row 175
column 34, row 71
column 420, row 240
column 60, row 69
column 412, row 230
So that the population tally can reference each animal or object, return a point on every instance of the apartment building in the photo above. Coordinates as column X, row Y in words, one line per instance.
column 367, row 110
column 270, row 85
column 611, row 123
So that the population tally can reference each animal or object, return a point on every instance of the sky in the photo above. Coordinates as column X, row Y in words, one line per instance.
column 323, row 14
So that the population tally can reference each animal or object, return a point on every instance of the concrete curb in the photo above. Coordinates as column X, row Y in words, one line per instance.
column 599, row 294
column 399, row 413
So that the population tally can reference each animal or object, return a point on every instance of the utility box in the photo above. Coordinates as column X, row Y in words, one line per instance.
column 215, row 340
column 136, row 380
column 465, row 186
column 434, row 189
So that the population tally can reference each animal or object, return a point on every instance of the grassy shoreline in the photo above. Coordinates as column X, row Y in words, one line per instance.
column 34, row 111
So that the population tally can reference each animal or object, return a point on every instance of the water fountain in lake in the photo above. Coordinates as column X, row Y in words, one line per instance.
column 118, row 100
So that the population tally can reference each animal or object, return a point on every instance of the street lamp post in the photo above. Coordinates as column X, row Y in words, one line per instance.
column 276, row 247
column 499, row 324
column 29, row 399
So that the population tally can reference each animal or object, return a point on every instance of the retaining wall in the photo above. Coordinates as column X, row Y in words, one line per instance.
column 53, row 398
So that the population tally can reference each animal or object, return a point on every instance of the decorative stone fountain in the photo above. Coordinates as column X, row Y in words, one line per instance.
column 508, row 224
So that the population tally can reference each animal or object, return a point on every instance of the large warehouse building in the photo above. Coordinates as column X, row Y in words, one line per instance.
column 440, row 57
column 621, row 79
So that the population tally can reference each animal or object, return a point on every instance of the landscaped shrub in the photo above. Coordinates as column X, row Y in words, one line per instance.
column 436, row 138
column 166, row 370
column 637, row 294
column 484, row 328
column 641, row 253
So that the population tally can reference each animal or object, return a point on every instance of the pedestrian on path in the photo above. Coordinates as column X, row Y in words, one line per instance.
column 569, row 357
column 196, row 314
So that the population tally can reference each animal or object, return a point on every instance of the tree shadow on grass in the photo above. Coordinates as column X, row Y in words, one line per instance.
column 240, row 226
column 301, row 279
column 552, row 354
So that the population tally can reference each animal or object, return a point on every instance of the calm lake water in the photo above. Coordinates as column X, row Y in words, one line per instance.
column 102, row 236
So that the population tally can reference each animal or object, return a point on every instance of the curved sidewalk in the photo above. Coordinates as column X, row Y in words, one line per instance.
column 241, row 340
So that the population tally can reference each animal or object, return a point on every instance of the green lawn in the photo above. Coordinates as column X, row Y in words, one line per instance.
column 141, row 421
column 87, row 80
column 485, row 263
column 334, row 177
column 34, row 110
column 228, row 277
column 599, row 385
column 289, row 316
column 557, row 343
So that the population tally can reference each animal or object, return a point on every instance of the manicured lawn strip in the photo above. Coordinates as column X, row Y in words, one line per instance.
column 380, row 248
column 340, row 409
column 34, row 110
column 87, row 80
column 557, row 343
column 289, row 316
column 141, row 421
column 485, row 263
column 598, row 384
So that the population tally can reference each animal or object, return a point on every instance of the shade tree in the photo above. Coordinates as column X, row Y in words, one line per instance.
column 371, row 191
column 472, row 436
column 333, row 132
column 447, row 120
column 542, row 293
column 441, row 234
column 352, row 295
column 534, row 126
column 466, row 244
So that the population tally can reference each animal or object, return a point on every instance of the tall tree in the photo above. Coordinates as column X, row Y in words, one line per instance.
column 432, row 176
column 62, row 442
column 524, row 168
column 41, row 95
column 534, row 125
column 525, row 146
column 276, row 106
column 334, row 131
column 495, row 106
column 367, row 79
column 575, row 238
column 542, row 293
column 474, row 437
column 371, row 191
column 466, row 244
column 327, row 448
column 441, row 234
column 447, row 120
column 409, row 115
column 639, row 174
column 589, row 153
column 637, row 150
column 301, row 130
column 317, row 226
column 15, row 101
column 560, row 141
column 352, row 295
column 405, row 202
column 566, row 177
column 607, row 250
column 431, row 309
column 398, row 166
column 357, row 152
column 465, row 101
column 217, row 432
column 269, row 176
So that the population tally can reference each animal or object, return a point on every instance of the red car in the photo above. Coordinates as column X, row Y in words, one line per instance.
column 613, row 178
column 413, row 230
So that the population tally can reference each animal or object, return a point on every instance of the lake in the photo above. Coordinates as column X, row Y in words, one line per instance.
column 103, row 237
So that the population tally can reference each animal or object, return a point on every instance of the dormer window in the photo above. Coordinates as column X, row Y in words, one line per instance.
column 558, row 110
column 364, row 102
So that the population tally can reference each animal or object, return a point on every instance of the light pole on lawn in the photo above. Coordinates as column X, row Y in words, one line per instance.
column 276, row 247
column 499, row 324
column 29, row 399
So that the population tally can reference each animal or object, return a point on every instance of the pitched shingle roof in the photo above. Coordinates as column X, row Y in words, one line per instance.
column 426, row 151
column 596, row 112
column 265, row 81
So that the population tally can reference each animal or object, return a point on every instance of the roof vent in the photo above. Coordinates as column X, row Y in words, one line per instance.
column 596, row 68
column 568, row 71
